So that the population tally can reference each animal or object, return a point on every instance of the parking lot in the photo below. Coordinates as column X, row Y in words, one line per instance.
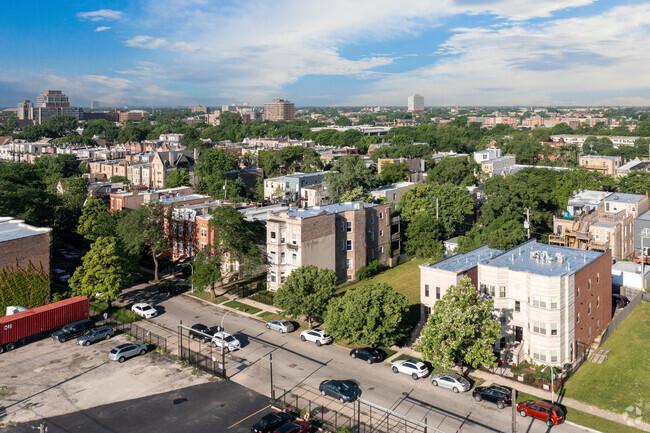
column 45, row 379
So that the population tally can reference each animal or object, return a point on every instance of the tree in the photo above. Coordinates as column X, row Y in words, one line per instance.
column 61, row 125
column 461, row 329
column 104, row 271
column 83, row 167
column 95, row 220
column 143, row 229
column 457, row 171
column 369, row 315
column 424, row 237
column 207, row 270
column 75, row 191
column 349, row 172
column 392, row 173
column 120, row 179
column 236, row 236
column 306, row 291
column 178, row 177
column 210, row 170
column 636, row 182
column 27, row 286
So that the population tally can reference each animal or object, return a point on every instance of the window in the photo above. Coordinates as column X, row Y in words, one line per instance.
column 381, row 233
column 180, row 229
column 426, row 290
column 282, row 278
column 282, row 258
column 294, row 239
column 372, row 218
column 589, row 309
column 589, row 285
column 272, row 257
column 589, row 332
column 517, row 306
column 372, row 253
column 554, row 303
column 502, row 291
column 553, row 328
column 597, row 234
column 577, row 292
column 554, row 355
column 381, row 215
column 294, row 259
column 539, row 327
column 598, row 301
column 342, row 226
column 539, row 301
column 371, row 235
column 437, row 292
column 272, row 236
column 598, row 278
column 381, row 250
column 492, row 291
column 203, row 245
column 348, row 264
column 348, row 226
column 203, row 233
column 597, row 324
column 539, row 354
column 283, row 237
column 502, row 318
column 348, row 245
column 578, row 318
column 607, row 236
column 272, row 277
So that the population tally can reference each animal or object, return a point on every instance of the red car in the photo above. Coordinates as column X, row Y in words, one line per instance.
column 543, row 410
column 294, row 427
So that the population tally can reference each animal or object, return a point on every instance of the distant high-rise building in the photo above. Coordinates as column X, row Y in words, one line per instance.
column 279, row 109
column 94, row 105
column 416, row 103
column 25, row 110
column 200, row 109
column 53, row 103
column 52, row 99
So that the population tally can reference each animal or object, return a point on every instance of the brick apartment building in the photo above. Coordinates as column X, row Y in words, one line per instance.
column 129, row 200
column 607, row 165
column 23, row 243
column 341, row 236
column 279, row 109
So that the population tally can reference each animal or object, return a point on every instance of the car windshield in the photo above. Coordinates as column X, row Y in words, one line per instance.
column 262, row 423
column 115, row 350
column 147, row 308
column 284, row 323
column 342, row 386
column 230, row 338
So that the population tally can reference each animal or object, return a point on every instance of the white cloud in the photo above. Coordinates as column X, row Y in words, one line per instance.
column 147, row 42
column 102, row 14
column 102, row 28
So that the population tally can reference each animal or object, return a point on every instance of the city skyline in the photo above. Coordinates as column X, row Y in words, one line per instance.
column 164, row 53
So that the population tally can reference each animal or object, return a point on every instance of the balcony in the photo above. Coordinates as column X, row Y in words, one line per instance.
column 599, row 245
column 395, row 236
column 557, row 240
column 292, row 246
column 395, row 219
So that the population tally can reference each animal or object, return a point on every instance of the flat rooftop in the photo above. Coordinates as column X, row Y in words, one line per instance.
column 11, row 229
column 624, row 198
column 543, row 259
column 394, row 186
column 313, row 211
column 586, row 196
column 465, row 261
column 182, row 198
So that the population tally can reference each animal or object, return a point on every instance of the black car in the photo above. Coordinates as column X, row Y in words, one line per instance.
column 620, row 301
column 169, row 289
column 196, row 330
column 500, row 395
column 343, row 390
column 72, row 330
column 269, row 422
column 367, row 354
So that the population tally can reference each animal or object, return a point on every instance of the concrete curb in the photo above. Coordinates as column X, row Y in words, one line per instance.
column 581, row 426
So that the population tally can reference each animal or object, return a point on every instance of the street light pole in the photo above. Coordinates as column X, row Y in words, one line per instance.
column 223, row 343
column 192, row 277
column 552, row 383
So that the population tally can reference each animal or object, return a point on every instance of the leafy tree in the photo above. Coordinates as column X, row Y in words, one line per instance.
column 348, row 173
column 178, row 177
column 75, row 191
column 211, row 168
column 120, row 179
column 636, row 182
column 143, row 229
column 369, row 315
column 306, row 291
column 207, row 270
column 76, row 139
column 457, row 171
column 358, row 193
column 291, row 158
column 23, row 194
column 54, row 168
column 27, row 286
column 235, row 235
column 461, row 329
column 342, row 121
column 61, row 125
column 104, row 271
column 95, row 220
column 83, row 167
column 424, row 236
column 397, row 172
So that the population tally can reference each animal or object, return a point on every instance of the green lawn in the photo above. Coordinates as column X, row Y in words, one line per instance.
column 583, row 418
column 622, row 383
column 243, row 307
column 207, row 296
column 405, row 279
column 120, row 314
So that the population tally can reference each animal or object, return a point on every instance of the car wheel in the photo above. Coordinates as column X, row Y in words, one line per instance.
column 478, row 398
column 352, row 355
column 86, row 343
column 369, row 361
column 395, row 370
column 142, row 352
column 318, row 343
column 302, row 337
column 455, row 390
column 121, row 360
column 281, row 331
column 108, row 336
column 500, row 405
column 549, row 423
column 523, row 413
column 322, row 392
column 226, row 349
column 214, row 344
column 2, row 348
column 342, row 400
column 10, row 347
column 434, row 382
column 268, row 326
column 414, row 376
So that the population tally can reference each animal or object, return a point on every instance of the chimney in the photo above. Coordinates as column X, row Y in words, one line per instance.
column 196, row 154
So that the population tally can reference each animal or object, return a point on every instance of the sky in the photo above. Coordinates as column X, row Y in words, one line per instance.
column 327, row 52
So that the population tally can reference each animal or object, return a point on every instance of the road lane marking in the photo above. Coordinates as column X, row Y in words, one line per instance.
column 253, row 414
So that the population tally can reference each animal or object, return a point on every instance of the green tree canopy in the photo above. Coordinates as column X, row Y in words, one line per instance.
column 636, row 182
column 95, row 220
column 461, row 329
column 207, row 269
column 457, row 171
column 369, row 315
column 306, row 291
column 235, row 235
column 211, row 168
column 120, row 179
column 178, row 177
column 348, row 173
column 424, row 236
column 393, row 173
column 27, row 286
column 104, row 271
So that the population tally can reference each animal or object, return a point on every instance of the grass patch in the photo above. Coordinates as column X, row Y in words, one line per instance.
column 623, row 381
column 7, row 391
column 243, row 307
column 584, row 418
column 405, row 279
column 475, row 381
column 263, row 296
column 267, row 315
column 120, row 314
column 207, row 296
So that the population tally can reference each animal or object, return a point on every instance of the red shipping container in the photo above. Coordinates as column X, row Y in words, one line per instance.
column 40, row 319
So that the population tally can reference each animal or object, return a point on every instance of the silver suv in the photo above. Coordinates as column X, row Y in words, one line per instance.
column 96, row 334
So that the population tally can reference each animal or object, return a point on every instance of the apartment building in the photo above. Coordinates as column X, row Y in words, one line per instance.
column 291, row 185
column 129, row 200
column 392, row 193
column 23, row 152
column 279, row 109
column 416, row 102
column 164, row 162
column 607, row 165
column 578, row 140
column 491, row 160
column 23, row 243
column 341, row 236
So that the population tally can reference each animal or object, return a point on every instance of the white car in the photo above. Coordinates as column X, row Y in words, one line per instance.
column 144, row 310
column 225, row 340
column 416, row 369
column 317, row 336
column 61, row 275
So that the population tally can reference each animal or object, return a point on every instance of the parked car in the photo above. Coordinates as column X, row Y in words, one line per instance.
column 95, row 334
column 453, row 381
column 225, row 340
column 145, row 310
column 137, row 277
column 271, row 421
column 317, row 336
column 342, row 390
column 620, row 301
column 294, row 427
column 367, row 354
column 415, row 368
column 124, row 351
column 548, row 412
column 500, row 395
column 169, row 289
column 72, row 330
column 61, row 275
column 198, row 330
column 280, row 325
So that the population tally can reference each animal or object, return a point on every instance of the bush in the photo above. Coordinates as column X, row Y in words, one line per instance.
column 529, row 378
column 369, row 271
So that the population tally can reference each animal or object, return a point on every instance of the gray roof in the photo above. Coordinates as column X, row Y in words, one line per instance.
column 261, row 213
column 543, row 259
column 465, row 261
column 11, row 229
column 624, row 198
column 334, row 208
column 600, row 157
column 585, row 196
column 182, row 198
column 645, row 216
column 394, row 186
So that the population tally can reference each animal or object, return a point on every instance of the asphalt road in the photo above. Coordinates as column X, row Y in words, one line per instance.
column 220, row 406
column 299, row 367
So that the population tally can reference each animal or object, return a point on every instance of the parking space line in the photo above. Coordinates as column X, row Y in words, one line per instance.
column 244, row 419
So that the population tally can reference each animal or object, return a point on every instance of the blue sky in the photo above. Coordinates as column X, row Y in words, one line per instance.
column 336, row 52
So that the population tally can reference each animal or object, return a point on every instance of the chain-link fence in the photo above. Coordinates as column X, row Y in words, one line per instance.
column 202, row 362
column 139, row 332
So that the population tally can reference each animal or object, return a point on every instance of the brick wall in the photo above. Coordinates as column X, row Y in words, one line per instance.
column 598, row 276
column 33, row 248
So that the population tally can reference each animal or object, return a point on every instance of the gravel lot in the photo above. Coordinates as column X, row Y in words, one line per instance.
column 45, row 379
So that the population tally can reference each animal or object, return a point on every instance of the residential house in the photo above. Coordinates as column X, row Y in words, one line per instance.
column 164, row 162
column 290, row 186
column 607, row 165
column 392, row 193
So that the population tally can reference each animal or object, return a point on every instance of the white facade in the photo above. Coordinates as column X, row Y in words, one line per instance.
column 416, row 102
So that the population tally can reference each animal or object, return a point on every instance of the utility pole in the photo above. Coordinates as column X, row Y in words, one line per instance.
column 527, row 223
column 514, row 410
